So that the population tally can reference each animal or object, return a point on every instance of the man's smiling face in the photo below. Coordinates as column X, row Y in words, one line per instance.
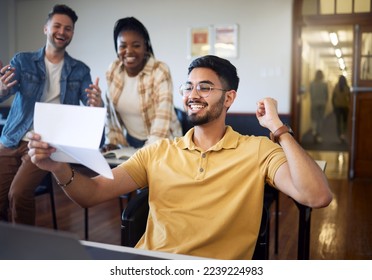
column 59, row 31
column 204, row 110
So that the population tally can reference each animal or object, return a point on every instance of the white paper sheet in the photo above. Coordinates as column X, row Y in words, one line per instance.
column 75, row 131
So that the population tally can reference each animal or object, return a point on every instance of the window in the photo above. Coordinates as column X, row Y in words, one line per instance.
column 333, row 7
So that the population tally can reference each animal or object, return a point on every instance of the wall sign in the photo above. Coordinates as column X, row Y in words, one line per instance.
column 220, row 40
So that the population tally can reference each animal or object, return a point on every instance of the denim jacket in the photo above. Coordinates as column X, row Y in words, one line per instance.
column 30, row 74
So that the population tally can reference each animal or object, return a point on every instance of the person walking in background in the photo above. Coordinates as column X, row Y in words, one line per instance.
column 341, row 103
column 139, row 98
column 48, row 75
column 319, row 99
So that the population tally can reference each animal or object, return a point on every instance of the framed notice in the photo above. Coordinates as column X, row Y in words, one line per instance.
column 226, row 41
column 199, row 41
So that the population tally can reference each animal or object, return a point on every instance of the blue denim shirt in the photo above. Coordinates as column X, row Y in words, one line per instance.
column 30, row 74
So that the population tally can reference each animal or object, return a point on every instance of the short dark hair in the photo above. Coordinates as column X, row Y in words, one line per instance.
column 132, row 24
column 63, row 10
column 222, row 67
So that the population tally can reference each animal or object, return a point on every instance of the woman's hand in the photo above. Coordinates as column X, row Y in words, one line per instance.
column 94, row 95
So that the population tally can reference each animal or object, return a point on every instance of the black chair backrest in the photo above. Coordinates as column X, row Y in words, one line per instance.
column 134, row 218
column 261, row 251
column 182, row 117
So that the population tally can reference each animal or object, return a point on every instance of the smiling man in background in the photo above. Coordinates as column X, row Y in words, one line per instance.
column 48, row 75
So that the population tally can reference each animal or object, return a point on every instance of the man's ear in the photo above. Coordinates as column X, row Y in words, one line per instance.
column 229, row 98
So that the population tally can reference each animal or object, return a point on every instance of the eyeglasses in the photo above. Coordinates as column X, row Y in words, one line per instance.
column 203, row 89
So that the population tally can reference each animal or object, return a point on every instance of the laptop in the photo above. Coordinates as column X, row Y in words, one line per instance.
column 22, row 242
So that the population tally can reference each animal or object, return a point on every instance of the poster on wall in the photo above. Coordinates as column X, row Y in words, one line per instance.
column 226, row 41
column 199, row 41
column 220, row 40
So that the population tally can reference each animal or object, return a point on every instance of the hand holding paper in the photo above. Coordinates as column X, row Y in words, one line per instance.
column 75, row 131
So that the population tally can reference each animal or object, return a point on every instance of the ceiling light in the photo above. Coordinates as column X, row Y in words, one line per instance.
column 334, row 38
column 338, row 53
column 341, row 63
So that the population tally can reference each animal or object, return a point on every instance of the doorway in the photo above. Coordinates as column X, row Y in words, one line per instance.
column 350, row 21
column 328, row 49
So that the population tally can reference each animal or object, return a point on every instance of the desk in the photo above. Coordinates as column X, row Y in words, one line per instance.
column 322, row 164
column 101, row 251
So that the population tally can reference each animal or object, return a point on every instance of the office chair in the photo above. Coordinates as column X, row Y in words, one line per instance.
column 182, row 117
column 126, row 197
column 134, row 219
column 271, row 196
column 261, row 251
column 46, row 187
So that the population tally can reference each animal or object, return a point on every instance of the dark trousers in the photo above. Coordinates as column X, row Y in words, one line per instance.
column 19, row 178
column 342, row 114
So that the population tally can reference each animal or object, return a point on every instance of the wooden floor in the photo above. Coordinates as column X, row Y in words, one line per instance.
column 341, row 231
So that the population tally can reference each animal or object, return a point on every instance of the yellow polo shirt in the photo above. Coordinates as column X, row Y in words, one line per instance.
column 205, row 203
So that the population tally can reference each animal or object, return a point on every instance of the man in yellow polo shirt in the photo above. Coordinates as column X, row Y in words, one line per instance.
column 206, row 188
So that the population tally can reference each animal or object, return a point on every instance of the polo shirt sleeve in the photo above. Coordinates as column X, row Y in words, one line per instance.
column 136, row 166
column 271, row 157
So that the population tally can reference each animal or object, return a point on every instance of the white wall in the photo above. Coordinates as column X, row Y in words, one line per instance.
column 264, row 38
column 7, row 37
column 3, row 31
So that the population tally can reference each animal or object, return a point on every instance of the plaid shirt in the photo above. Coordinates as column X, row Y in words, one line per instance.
column 155, row 89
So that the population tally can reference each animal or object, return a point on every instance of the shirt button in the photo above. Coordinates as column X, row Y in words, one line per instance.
column 203, row 155
column 201, row 169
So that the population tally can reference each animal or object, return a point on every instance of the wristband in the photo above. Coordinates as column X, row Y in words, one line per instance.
column 279, row 132
column 69, row 182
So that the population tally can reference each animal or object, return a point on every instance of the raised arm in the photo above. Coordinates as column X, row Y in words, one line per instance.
column 300, row 177
column 82, row 189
